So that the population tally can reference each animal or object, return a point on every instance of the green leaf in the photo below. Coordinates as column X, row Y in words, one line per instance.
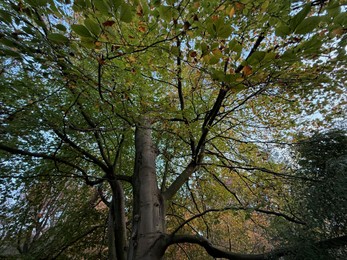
column 282, row 30
column 86, row 42
column 116, row 4
column 168, row 13
column 224, row 31
column 299, row 17
column 256, row 57
column 28, row 30
column 58, row 38
column 218, row 28
column 289, row 55
column 61, row 27
column 92, row 26
column 8, row 42
column 37, row 3
column 308, row 25
column 126, row 14
column 341, row 19
column 204, row 48
column 333, row 8
column 79, row 5
column 102, row 6
column 213, row 60
column 6, row 52
column 269, row 56
column 218, row 75
column 311, row 46
column 5, row 17
column 81, row 30
column 175, row 51
column 235, row 46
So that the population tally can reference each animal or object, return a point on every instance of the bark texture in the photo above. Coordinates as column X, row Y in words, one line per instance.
column 148, row 215
column 116, row 223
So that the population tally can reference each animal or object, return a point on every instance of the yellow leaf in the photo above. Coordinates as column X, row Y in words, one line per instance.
column 139, row 10
column 132, row 58
column 206, row 58
column 221, row 8
column 232, row 12
column 190, row 33
column 216, row 52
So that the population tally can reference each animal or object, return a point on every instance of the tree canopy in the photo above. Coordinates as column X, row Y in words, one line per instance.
column 150, row 129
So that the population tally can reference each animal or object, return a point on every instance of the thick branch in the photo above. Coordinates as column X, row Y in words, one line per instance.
column 211, row 249
column 215, row 251
column 211, row 116
column 181, row 179
column 208, row 122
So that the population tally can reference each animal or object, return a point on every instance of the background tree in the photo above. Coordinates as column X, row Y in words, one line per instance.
column 47, row 216
column 176, row 106
column 321, row 198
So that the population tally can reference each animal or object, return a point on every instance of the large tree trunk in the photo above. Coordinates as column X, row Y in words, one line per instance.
column 148, row 215
column 116, row 223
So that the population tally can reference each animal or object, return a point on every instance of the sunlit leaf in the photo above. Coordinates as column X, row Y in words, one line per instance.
column 299, row 17
column 102, row 6
column 282, row 30
column 58, row 38
column 81, row 30
column 126, row 13
column 92, row 26
column 256, row 57
column 308, row 25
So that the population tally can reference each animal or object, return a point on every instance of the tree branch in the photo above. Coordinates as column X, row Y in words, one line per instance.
column 208, row 122
column 269, row 212
column 90, row 122
column 12, row 150
column 215, row 251
column 180, row 180
column 77, row 239
column 65, row 138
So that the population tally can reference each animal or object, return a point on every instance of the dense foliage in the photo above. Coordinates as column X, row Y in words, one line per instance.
column 324, row 161
column 137, row 128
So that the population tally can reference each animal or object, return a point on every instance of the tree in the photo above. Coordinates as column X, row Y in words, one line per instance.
column 319, row 197
column 323, row 159
column 49, row 219
column 174, row 105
